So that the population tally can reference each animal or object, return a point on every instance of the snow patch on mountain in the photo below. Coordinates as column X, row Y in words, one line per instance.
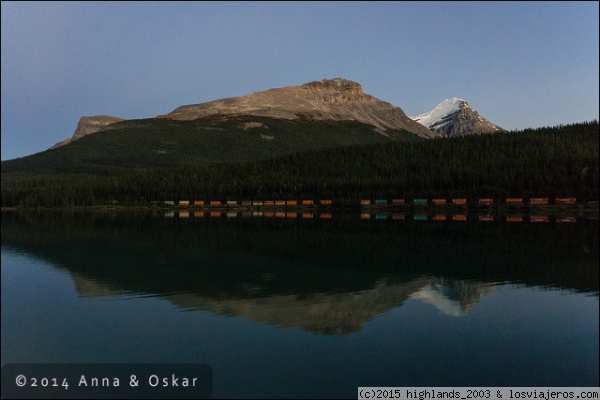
column 441, row 114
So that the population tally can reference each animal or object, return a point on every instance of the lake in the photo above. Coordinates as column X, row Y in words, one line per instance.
column 307, row 305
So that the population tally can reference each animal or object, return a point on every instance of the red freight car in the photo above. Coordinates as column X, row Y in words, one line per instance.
column 565, row 200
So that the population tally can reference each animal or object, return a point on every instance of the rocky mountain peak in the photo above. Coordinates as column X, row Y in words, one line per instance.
column 335, row 90
column 329, row 99
column 455, row 117
column 338, row 84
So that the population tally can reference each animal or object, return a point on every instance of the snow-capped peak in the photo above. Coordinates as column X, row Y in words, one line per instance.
column 438, row 116
column 454, row 117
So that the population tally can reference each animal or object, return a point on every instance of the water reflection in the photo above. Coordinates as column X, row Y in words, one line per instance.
column 433, row 215
column 453, row 297
column 328, row 276
column 328, row 313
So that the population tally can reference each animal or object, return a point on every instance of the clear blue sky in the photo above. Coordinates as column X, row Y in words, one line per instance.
column 520, row 64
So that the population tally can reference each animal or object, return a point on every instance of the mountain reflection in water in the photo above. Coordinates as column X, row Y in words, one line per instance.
column 322, row 276
column 328, row 313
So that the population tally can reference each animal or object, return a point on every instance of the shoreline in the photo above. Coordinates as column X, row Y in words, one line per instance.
column 372, row 208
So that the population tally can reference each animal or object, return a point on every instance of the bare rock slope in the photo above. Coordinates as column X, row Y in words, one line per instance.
column 455, row 117
column 88, row 125
column 336, row 99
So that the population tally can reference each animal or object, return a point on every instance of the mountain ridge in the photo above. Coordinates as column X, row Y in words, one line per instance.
column 335, row 99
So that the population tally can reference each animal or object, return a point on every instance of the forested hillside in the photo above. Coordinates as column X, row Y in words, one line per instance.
column 155, row 142
column 545, row 162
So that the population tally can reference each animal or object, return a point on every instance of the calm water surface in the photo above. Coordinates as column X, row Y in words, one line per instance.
column 299, row 307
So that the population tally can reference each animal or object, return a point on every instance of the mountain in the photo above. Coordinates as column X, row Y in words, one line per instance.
column 329, row 99
column 455, row 117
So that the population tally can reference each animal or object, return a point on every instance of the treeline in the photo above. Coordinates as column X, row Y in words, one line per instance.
column 550, row 162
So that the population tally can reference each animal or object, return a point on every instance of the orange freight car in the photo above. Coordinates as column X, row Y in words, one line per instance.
column 198, row 202
column 514, row 200
column 439, row 201
column 459, row 201
column 215, row 203
column 292, row 202
column 539, row 200
column 365, row 202
column 307, row 202
column 486, row 201
column 326, row 202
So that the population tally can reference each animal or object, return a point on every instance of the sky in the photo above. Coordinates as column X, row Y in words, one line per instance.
column 519, row 64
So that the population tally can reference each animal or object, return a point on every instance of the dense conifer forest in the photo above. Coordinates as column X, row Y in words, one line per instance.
column 559, row 161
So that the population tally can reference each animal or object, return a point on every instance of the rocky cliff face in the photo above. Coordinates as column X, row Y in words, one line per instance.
column 455, row 117
column 336, row 99
column 87, row 125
